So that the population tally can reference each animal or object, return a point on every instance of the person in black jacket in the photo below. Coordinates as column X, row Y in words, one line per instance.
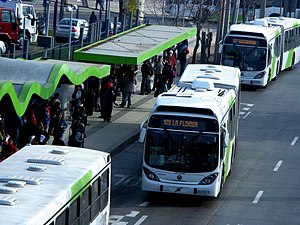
column 147, row 71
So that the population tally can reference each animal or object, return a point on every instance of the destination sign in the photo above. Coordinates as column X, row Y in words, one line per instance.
column 180, row 123
column 246, row 41
column 183, row 123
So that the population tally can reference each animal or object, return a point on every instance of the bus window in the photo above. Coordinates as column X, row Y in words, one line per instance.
column 62, row 218
column 104, row 190
column 95, row 204
column 74, row 212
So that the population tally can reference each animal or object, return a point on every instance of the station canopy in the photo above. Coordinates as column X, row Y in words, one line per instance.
column 134, row 46
column 20, row 79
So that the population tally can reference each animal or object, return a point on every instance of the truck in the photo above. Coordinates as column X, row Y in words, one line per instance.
column 26, row 14
column 8, row 29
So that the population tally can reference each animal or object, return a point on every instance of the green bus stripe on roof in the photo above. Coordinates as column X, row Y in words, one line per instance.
column 79, row 185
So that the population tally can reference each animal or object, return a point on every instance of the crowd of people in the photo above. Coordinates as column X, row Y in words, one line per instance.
column 44, row 119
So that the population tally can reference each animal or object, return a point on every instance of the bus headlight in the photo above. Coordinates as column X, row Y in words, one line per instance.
column 150, row 175
column 260, row 75
column 209, row 179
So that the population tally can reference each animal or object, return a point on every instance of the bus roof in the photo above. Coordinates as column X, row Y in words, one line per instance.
column 266, row 31
column 64, row 176
column 221, row 87
column 267, row 26
column 225, row 75
column 286, row 22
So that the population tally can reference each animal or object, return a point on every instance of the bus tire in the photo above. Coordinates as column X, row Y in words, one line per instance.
column 222, row 181
column 232, row 159
column 293, row 63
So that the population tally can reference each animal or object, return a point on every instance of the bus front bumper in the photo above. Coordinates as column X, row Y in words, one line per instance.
column 201, row 190
column 257, row 79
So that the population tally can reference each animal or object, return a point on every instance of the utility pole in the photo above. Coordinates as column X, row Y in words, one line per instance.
column 219, row 31
column 262, row 10
column 285, row 7
column 235, row 12
column 226, row 20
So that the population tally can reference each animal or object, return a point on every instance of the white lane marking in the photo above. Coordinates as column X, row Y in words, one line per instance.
column 144, row 204
column 123, row 178
column 247, row 104
column 276, row 168
column 141, row 220
column 133, row 214
column 257, row 197
column 246, row 109
column 242, row 113
column 294, row 141
column 116, row 220
column 248, row 113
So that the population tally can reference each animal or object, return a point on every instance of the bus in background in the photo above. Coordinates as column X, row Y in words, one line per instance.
column 55, row 185
column 190, row 136
column 262, row 48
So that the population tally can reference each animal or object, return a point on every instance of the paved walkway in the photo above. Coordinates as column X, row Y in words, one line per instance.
column 124, row 129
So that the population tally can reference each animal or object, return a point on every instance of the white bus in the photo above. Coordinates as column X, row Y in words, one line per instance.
column 190, row 137
column 55, row 185
column 262, row 48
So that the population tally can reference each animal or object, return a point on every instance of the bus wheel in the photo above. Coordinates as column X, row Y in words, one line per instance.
column 269, row 75
column 276, row 72
column 293, row 63
column 222, row 181
column 232, row 159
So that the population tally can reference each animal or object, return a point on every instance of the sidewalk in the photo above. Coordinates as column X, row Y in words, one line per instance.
column 124, row 129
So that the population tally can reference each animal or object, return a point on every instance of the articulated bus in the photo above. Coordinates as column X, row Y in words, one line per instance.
column 190, row 137
column 55, row 185
column 262, row 48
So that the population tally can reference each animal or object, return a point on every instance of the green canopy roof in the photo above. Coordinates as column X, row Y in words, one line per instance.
column 134, row 46
column 20, row 79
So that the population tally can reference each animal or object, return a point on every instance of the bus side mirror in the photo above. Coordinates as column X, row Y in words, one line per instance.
column 143, row 131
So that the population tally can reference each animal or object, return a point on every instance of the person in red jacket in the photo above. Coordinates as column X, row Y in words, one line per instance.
column 8, row 149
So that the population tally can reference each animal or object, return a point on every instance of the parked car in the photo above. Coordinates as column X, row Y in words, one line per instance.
column 111, row 28
column 63, row 26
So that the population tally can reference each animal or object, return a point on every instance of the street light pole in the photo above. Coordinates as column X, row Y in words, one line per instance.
column 70, row 10
column 70, row 32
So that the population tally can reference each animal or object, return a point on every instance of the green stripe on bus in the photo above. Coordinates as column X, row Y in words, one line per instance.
column 289, row 59
column 227, row 158
column 296, row 24
column 84, row 180
column 277, row 33
column 273, row 69
column 230, row 101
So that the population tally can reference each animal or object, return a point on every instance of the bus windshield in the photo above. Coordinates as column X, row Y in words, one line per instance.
column 175, row 151
column 244, row 57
